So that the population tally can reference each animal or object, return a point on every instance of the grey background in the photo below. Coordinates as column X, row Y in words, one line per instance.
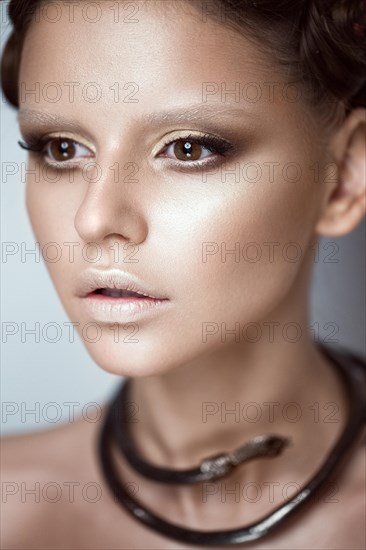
column 45, row 376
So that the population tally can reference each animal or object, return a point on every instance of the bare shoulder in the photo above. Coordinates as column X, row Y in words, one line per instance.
column 41, row 473
column 45, row 450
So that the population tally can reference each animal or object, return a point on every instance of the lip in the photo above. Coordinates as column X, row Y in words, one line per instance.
column 107, row 309
column 93, row 279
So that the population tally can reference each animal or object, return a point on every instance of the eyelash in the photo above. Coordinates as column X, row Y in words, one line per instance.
column 214, row 144
column 38, row 145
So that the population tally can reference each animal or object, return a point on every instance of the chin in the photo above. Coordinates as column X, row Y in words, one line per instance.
column 134, row 359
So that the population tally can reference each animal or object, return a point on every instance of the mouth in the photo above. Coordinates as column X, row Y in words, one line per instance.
column 114, row 296
column 120, row 305
column 120, row 294
column 114, row 284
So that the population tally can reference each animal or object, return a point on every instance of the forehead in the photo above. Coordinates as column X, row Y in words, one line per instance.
column 141, row 42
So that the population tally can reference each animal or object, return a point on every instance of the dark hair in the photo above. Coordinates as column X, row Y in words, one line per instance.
column 321, row 43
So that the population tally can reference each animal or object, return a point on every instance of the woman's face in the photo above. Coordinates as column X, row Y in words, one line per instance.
column 214, row 228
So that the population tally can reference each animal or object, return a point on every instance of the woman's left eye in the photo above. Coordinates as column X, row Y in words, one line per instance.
column 192, row 149
column 186, row 150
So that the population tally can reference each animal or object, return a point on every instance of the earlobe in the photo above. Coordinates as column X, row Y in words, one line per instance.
column 346, row 204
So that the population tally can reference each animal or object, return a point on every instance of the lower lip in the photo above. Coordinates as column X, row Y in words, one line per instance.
column 106, row 309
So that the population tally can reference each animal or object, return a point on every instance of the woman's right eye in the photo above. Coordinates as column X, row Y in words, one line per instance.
column 61, row 149
column 57, row 150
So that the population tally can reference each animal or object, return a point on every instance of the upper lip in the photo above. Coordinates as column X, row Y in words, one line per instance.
column 94, row 279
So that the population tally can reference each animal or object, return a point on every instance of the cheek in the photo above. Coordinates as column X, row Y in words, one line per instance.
column 241, row 252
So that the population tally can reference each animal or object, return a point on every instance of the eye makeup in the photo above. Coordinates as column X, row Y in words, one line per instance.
column 219, row 147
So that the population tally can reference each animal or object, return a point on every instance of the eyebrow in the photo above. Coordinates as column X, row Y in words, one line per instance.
column 196, row 113
column 47, row 119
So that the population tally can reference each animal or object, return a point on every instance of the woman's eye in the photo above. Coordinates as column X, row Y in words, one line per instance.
column 187, row 150
column 65, row 149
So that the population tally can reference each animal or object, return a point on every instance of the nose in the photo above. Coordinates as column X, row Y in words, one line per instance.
column 111, row 209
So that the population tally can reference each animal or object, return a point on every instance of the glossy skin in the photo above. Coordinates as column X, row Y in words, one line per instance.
column 64, row 456
column 167, row 215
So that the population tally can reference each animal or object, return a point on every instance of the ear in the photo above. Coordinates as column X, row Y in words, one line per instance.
column 345, row 202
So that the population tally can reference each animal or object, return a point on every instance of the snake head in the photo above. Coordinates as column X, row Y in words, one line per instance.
column 276, row 444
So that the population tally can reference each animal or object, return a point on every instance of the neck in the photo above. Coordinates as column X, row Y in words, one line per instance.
column 218, row 402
